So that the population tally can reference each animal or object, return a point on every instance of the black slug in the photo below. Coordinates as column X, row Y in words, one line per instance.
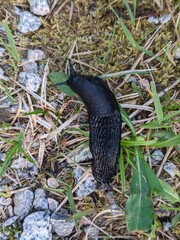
column 104, row 123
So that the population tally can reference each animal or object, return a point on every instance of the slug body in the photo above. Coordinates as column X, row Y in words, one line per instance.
column 104, row 122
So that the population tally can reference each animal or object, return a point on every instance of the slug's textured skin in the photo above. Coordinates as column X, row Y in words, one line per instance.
column 104, row 122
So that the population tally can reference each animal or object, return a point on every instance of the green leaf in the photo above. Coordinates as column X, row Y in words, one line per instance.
column 175, row 220
column 157, row 103
column 20, row 141
column 71, row 200
column 132, row 17
column 27, row 156
column 59, row 77
column 8, row 158
column 139, row 212
column 36, row 112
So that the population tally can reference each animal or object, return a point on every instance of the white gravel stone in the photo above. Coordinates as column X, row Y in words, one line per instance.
column 37, row 226
column 35, row 55
column 28, row 22
column 23, row 203
column 157, row 156
column 2, row 51
column 3, row 155
column 87, row 187
column 40, row 201
column 5, row 201
column 53, row 204
column 82, row 155
column 1, row 71
column 52, row 183
column 10, row 221
column 60, row 226
column 10, row 211
column 170, row 168
column 164, row 19
column 92, row 232
column 153, row 19
column 21, row 163
column 166, row 226
column 31, row 80
column 30, row 66
column 39, row 7
column 177, row 53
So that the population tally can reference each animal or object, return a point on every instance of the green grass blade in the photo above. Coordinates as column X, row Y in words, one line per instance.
column 157, row 103
column 172, row 142
column 27, row 156
column 135, row 7
column 71, row 200
column 20, row 141
column 125, row 29
column 8, row 94
column 122, row 173
column 131, row 15
column 14, row 52
column 135, row 143
column 165, row 53
column 8, row 158
column 82, row 214
column 128, row 121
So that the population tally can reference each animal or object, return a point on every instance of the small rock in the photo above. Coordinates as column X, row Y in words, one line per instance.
column 35, row 55
column 37, row 226
column 28, row 22
column 2, row 155
column 153, row 19
column 82, row 155
column 132, row 79
column 157, row 156
column 60, row 225
column 52, row 183
column 5, row 201
column 166, row 226
column 2, row 51
column 164, row 19
column 170, row 168
column 23, row 203
column 87, row 187
column 53, row 204
column 30, row 66
column 10, row 211
column 3, row 236
column 1, row 71
column 31, row 80
column 21, row 163
column 39, row 7
column 92, row 232
column 40, row 201
column 10, row 221
column 177, row 53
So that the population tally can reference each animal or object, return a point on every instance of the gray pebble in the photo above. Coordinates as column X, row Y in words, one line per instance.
column 23, row 203
column 157, row 156
column 30, row 66
column 166, row 226
column 52, row 183
column 177, row 53
column 31, row 80
column 170, row 168
column 164, row 19
column 87, row 187
column 53, row 204
column 10, row 211
column 60, row 225
column 2, row 155
column 1, row 71
column 10, row 221
column 82, row 155
column 40, row 201
column 5, row 201
column 35, row 55
column 91, row 232
column 28, row 22
column 153, row 19
column 21, row 163
column 39, row 7
column 2, row 51
column 37, row 226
